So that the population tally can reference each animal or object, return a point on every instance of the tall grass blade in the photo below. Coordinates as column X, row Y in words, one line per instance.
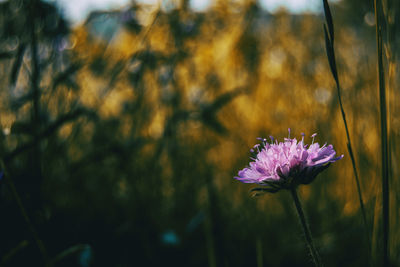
column 329, row 21
column 331, row 55
column 384, row 137
column 332, row 63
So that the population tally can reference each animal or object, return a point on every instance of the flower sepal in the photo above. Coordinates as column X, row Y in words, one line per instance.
column 259, row 191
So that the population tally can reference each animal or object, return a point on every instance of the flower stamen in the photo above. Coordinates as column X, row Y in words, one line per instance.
column 313, row 137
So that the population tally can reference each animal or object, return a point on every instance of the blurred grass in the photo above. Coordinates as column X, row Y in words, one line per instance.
column 147, row 114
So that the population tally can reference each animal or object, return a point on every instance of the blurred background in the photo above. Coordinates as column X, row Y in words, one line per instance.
column 122, row 125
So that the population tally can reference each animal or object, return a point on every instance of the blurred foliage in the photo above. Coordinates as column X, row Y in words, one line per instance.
column 122, row 135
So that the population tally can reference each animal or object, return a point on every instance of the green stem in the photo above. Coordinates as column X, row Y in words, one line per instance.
column 306, row 229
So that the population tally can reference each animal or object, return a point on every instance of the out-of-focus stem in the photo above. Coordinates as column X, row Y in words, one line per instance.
column 306, row 229
column 384, row 139
column 35, row 65
column 259, row 252
column 24, row 214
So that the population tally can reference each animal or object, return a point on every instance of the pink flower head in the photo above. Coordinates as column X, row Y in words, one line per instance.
column 287, row 164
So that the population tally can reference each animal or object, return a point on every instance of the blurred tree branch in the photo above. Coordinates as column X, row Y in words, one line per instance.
column 48, row 131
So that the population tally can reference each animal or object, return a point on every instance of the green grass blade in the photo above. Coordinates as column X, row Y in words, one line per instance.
column 329, row 21
column 332, row 63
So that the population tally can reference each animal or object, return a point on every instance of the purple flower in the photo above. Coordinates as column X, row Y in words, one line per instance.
column 287, row 164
